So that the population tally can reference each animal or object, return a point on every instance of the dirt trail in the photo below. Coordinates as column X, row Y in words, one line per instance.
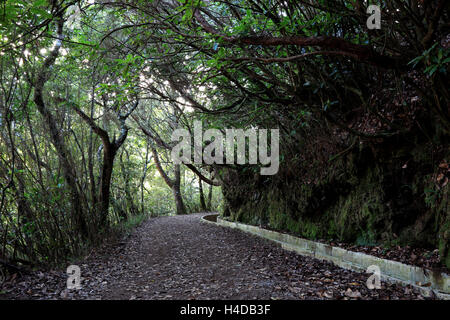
column 181, row 258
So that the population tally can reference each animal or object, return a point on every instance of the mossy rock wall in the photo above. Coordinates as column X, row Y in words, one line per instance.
column 364, row 198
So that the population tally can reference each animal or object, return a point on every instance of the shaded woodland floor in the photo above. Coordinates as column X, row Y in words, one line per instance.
column 179, row 257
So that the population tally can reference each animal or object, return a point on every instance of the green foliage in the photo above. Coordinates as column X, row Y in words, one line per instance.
column 435, row 58
column 126, row 227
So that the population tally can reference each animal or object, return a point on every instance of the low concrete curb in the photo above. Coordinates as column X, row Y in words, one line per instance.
column 427, row 281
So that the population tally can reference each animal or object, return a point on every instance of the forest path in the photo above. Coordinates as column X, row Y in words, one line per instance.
column 178, row 257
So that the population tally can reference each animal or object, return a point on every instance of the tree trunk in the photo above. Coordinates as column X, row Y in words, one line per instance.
column 90, row 154
column 178, row 200
column 144, row 174
column 105, row 183
column 173, row 184
column 176, row 190
column 109, row 153
column 208, row 204
column 202, row 196
column 77, row 212
column 125, row 174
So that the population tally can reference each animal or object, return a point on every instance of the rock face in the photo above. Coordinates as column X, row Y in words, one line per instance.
column 386, row 192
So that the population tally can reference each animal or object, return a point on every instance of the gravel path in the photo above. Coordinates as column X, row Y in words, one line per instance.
column 181, row 258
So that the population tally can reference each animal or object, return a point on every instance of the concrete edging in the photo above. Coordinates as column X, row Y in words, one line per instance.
column 426, row 280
